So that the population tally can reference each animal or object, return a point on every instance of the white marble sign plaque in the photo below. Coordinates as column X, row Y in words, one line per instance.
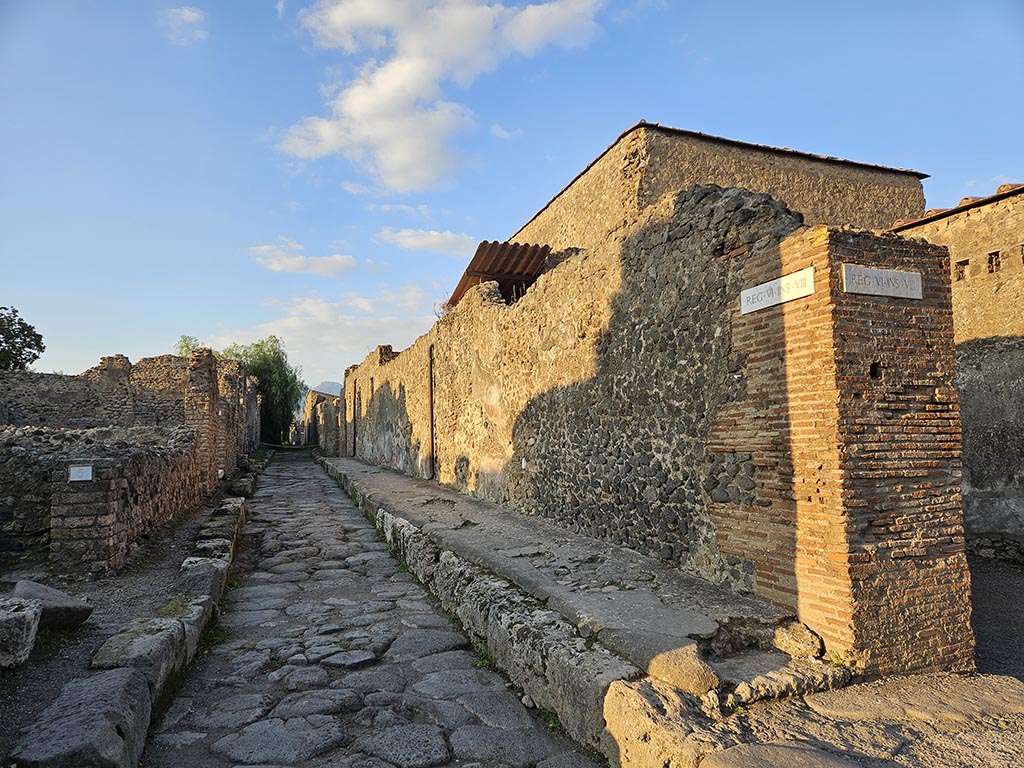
column 78, row 473
column 881, row 282
column 795, row 285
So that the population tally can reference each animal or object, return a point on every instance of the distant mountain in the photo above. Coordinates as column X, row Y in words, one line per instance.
column 328, row 387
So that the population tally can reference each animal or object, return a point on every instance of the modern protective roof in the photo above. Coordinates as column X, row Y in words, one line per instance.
column 513, row 266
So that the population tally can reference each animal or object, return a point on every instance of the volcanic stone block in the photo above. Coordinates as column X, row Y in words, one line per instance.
column 60, row 610
column 100, row 721
column 19, row 622
column 156, row 647
column 202, row 576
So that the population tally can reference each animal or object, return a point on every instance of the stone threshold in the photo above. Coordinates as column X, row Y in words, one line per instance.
column 594, row 632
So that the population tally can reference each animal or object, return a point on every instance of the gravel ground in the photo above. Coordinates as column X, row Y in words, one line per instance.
column 140, row 587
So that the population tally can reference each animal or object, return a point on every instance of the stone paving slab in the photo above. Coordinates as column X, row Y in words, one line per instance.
column 335, row 656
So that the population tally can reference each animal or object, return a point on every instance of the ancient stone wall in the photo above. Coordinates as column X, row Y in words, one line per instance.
column 649, row 161
column 231, row 382
column 321, row 423
column 139, row 481
column 990, row 378
column 986, row 244
column 202, row 413
column 625, row 396
column 986, row 263
column 253, row 403
column 127, row 482
column 48, row 399
column 158, row 384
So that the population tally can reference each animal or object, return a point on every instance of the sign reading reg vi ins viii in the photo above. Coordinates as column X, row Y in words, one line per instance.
column 881, row 282
column 795, row 285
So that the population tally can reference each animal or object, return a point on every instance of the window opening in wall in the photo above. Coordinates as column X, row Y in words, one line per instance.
column 875, row 370
column 993, row 261
column 960, row 269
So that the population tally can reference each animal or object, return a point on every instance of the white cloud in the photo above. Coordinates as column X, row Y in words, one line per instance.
column 422, row 212
column 325, row 337
column 393, row 118
column 501, row 133
column 448, row 243
column 286, row 256
column 184, row 25
column 279, row 7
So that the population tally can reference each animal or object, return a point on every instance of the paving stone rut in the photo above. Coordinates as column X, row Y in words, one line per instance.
column 335, row 657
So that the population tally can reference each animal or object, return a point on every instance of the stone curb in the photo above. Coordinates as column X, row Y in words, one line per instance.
column 589, row 676
column 103, row 719
column 539, row 651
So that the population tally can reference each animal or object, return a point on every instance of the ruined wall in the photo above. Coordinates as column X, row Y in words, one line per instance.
column 48, row 399
column 986, row 263
column 330, row 428
column 230, row 415
column 140, row 482
column 142, row 477
column 202, row 413
column 648, row 162
column 624, row 396
column 990, row 378
column 987, row 299
column 253, row 403
column 158, row 384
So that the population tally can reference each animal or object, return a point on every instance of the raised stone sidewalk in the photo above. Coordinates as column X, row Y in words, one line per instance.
column 653, row 668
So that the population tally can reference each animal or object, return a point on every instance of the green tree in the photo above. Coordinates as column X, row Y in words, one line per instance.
column 20, row 343
column 185, row 345
column 280, row 384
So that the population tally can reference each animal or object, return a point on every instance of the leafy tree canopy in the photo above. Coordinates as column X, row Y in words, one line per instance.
column 280, row 383
column 20, row 343
column 186, row 345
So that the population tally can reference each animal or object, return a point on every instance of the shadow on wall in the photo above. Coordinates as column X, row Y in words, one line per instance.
column 990, row 379
column 626, row 455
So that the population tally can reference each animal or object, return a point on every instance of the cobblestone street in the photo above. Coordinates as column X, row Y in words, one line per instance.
column 331, row 655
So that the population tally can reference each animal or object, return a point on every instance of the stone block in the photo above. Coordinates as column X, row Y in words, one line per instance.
column 100, row 721
column 19, row 622
column 60, row 610
column 202, row 576
column 195, row 615
column 156, row 647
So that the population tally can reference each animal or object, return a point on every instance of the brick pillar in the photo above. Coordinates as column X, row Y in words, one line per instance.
column 849, row 433
column 201, row 404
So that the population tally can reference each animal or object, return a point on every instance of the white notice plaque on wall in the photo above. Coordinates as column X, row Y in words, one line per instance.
column 881, row 282
column 795, row 285
column 78, row 473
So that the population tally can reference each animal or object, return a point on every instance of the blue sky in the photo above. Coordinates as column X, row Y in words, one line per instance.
column 323, row 170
